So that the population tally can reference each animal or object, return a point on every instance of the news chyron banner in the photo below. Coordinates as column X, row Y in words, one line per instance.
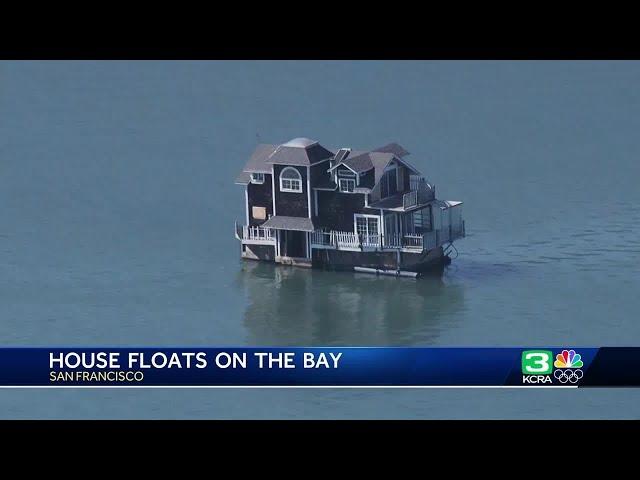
column 300, row 367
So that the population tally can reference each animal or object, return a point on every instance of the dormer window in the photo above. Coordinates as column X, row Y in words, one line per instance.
column 347, row 185
column 290, row 180
column 257, row 178
column 346, row 181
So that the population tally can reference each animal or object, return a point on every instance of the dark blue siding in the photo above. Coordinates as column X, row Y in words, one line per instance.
column 287, row 203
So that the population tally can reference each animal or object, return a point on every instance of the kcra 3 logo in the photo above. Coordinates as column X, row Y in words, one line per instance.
column 539, row 367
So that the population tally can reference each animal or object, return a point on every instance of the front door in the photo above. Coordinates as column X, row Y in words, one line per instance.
column 293, row 244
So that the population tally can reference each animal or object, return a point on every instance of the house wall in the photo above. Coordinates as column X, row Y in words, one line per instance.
column 455, row 215
column 374, row 196
column 260, row 195
column 287, row 203
column 265, row 253
column 336, row 209
column 408, row 223
column 367, row 179
column 346, row 260
column 437, row 217
column 319, row 173
column 402, row 179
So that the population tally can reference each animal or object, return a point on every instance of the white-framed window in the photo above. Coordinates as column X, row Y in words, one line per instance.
column 347, row 185
column 257, row 178
column 290, row 180
column 346, row 180
column 367, row 226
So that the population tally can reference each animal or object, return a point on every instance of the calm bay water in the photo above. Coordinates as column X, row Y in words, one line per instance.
column 117, row 205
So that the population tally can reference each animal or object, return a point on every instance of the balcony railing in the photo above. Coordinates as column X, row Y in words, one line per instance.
column 420, row 193
column 416, row 242
column 255, row 234
column 352, row 241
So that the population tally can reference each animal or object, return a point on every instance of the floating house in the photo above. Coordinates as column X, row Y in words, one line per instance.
column 373, row 211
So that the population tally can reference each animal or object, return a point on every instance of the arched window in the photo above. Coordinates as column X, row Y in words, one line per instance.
column 290, row 180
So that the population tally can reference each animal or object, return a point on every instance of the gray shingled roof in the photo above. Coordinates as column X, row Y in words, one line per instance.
column 243, row 179
column 394, row 148
column 378, row 159
column 299, row 151
column 366, row 161
column 280, row 222
column 303, row 142
column 304, row 152
column 358, row 163
column 362, row 161
column 257, row 161
column 299, row 155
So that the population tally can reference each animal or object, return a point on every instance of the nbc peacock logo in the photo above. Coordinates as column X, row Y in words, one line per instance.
column 568, row 359
column 568, row 365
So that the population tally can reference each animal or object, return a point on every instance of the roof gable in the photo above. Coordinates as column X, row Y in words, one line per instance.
column 377, row 160
column 394, row 148
column 257, row 160
column 298, row 152
column 307, row 152
column 299, row 155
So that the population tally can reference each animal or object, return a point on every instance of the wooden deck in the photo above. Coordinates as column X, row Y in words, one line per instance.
column 408, row 243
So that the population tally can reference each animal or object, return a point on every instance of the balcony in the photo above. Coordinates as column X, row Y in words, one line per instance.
column 420, row 192
column 409, row 243
column 257, row 235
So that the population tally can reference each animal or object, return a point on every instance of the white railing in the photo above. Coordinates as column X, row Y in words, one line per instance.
column 410, row 199
column 258, row 234
column 345, row 240
column 350, row 240
column 370, row 240
column 420, row 192
column 320, row 238
column 393, row 241
column 413, row 241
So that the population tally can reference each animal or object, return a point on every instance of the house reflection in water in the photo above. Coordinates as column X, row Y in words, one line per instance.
column 293, row 306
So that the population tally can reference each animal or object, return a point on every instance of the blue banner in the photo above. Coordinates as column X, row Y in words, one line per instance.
column 320, row 367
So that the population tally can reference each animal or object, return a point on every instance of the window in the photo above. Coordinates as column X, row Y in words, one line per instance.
column 346, row 180
column 418, row 221
column 347, row 184
column 290, row 180
column 257, row 178
column 367, row 225
column 388, row 183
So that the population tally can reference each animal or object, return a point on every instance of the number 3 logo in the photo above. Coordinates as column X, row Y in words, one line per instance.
column 536, row 362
